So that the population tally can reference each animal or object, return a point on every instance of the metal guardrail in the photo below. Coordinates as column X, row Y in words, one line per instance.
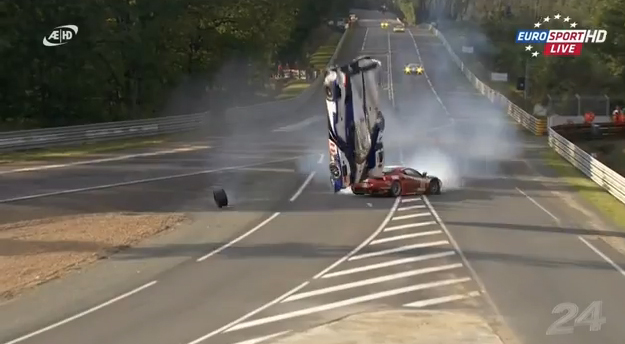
column 601, row 174
column 598, row 172
column 536, row 125
column 79, row 134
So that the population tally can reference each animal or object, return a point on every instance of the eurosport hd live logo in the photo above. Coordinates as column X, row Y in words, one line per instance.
column 559, row 42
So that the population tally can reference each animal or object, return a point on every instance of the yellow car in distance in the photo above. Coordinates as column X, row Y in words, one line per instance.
column 413, row 68
column 399, row 28
column 384, row 25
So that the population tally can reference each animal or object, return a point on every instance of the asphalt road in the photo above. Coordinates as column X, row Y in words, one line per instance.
column 532, row 250
column 224, row 278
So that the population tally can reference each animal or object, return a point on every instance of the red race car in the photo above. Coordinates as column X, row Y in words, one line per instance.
column 399, row 181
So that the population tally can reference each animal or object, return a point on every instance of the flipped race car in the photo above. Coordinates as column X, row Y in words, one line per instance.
column 399, row 181
column 384, row 25
column 399, row 28
column 413, row 68
column 355, row 122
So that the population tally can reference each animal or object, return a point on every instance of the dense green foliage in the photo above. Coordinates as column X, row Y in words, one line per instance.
column 130, row 55
column 599, row 70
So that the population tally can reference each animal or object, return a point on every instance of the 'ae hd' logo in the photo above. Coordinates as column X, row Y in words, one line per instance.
column 60, row 35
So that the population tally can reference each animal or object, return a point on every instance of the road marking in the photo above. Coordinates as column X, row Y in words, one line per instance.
column 443, row 299
column 226, row 327
column 603, row 256
column 405, row 236
column 262, row 339
column 399, row 249
column 411, row 216
column 410, row 225
column 139, row 181
column 364, row 41
column 370, row 281
column 239, row 238
column 539, row 205
column 102, row 160
column 303, row 186
column 412, row 207
column 390, row 263
column 298, row 125
column 364, row 243
column 347, row 302
column 82, row 314
column 408, row 200
column 260, row 169
column 320, row 158
column 428, row 80
column 390, row 71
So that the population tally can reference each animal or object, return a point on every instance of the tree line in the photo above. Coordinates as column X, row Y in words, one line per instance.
column 130, row 57
column 599, row 70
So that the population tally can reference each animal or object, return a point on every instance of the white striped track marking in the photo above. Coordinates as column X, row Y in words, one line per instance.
column 347, row 302
column 409, row 200
column 411, row 216
column 398, row 249
column 370, row 281
column 410, row 225
column 442, row 299
column 390, row 263
column 405, row 236
column 258, row 340
column 412, row 207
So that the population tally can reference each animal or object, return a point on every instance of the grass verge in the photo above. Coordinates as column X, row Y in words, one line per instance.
column 81, row 151
column 589, row 190
column 319, row 60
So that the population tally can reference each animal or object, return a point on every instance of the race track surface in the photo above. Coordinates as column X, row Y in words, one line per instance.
column 290, row 254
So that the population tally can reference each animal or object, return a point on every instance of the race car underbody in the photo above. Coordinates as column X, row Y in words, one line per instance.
column 355, row 122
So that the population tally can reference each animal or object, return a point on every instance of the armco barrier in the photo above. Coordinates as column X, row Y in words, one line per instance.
column 536, row 125
column 73, row 135
column 605, row 177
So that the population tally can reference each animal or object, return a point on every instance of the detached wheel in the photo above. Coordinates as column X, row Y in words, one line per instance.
column 396, row 189
column 435, row 187
column 221, row 199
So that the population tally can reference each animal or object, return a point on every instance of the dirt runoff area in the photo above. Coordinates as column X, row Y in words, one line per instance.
column 33, row 252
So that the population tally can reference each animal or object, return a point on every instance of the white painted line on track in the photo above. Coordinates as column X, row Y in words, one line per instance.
column 239, row 238
column 140, row 181
column 103, row 160
column 405, row 236
column 370, row 281
column 363, row 244
column 364, row 41
column 443, row 299
column 411, row 216
column 303, row 186
column 408, row 200
column 82, row 314
column 262, row 339
column 226, row 327
column 299, row 125
column 260, row 169
column 412, row 207
column 603, row 256
column 399, row 249
column 390, row 263
column 320, row 158
column 557, row 220
column 347, row 302
column 410, row 225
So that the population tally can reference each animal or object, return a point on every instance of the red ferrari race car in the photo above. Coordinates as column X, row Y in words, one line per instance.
column 399, row 181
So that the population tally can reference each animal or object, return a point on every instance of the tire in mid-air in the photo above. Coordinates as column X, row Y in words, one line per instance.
column 396, row 189
column 221, row 199
column 435, row 187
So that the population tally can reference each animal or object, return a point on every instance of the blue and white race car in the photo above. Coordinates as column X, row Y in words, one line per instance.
column 355, row 122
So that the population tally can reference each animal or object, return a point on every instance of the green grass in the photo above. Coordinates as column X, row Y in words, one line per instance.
column 81, row 151
column 589, row 190
column 319, row 60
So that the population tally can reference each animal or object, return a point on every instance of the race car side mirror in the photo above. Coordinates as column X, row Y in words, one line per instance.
column 425, row 174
